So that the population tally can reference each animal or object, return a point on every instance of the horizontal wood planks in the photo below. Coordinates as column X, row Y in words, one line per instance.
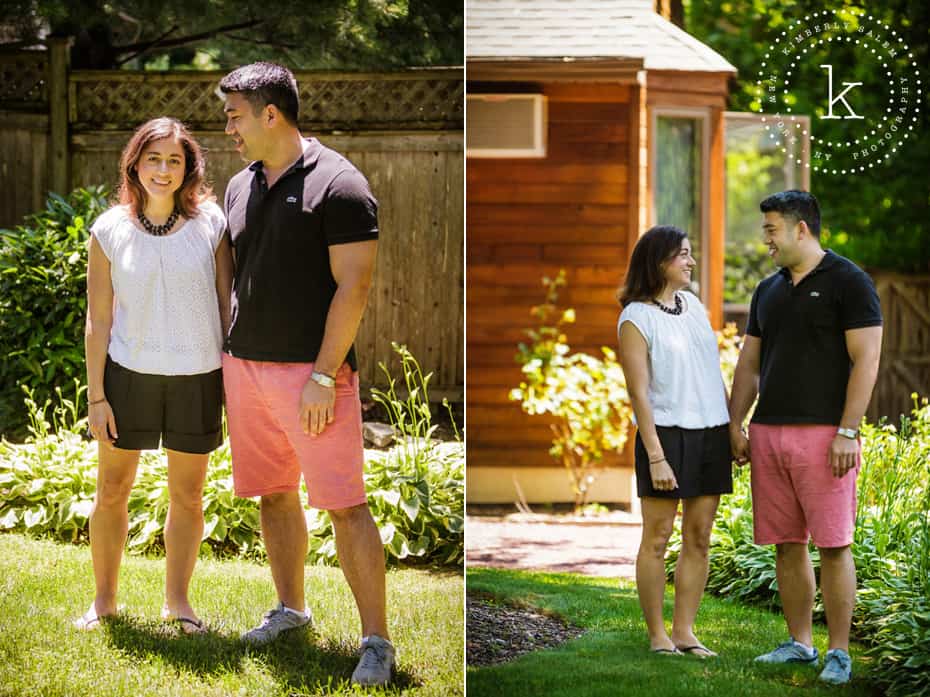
column 528, row 218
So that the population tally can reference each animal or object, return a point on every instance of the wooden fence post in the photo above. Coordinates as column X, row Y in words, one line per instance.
column 59, row 60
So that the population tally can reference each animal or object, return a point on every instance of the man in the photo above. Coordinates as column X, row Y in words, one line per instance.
column 303, row 225
column 811, row 352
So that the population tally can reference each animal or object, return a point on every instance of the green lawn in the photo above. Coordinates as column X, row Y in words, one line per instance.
column 612, row 658
column 44, row 585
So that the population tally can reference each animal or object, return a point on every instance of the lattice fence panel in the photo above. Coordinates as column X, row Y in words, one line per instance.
column 23, row 80
column 114, row 100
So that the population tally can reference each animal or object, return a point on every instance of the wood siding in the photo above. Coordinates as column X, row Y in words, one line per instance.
column 531, row 218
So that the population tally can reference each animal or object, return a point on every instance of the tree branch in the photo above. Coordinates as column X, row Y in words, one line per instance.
column 261, row 42
column 146, row 46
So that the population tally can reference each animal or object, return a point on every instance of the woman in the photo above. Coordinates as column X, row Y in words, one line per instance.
column 158, row 285
column 672, row 368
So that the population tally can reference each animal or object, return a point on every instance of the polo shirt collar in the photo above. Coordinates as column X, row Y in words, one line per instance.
column 828, row 260
column 305, row 161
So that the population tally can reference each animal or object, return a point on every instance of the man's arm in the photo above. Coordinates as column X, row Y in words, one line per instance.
column 352, row 265
column 224, row 279
column 745, row 389
column 864, row 347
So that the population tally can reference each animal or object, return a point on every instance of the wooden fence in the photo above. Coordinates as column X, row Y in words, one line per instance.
column 61, row 129
column 905, row 366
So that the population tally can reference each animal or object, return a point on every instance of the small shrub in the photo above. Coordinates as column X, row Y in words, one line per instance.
column 586, row 394
column 744, row 265
column 43, row 302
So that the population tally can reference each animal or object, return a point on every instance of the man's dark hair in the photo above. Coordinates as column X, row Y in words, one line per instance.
column 797, row 205
column 645, row 277
column 265, row 83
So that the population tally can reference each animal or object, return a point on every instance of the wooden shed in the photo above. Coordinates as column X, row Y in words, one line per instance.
column 587, row 122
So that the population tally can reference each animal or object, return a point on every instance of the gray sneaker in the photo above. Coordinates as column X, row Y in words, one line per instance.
column 274, row 622
column 837, row 667
column 790, row 652
column 376, row 663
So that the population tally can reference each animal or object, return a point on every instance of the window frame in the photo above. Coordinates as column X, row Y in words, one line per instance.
column 704, row 115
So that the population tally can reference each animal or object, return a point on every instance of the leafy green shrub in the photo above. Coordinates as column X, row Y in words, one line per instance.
column 47, row 485
column 416, row 489
column 43, row 302
column 744, row 265
column 891, row 550
column 587, row 395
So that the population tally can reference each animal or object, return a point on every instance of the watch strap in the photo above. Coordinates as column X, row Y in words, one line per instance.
column 850, row 433
column 323, row 379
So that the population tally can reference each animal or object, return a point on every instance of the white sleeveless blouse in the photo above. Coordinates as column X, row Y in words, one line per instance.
column 686, row 387
column 166, row 317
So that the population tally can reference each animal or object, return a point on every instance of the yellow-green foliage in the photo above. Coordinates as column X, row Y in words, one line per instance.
column 586, row 394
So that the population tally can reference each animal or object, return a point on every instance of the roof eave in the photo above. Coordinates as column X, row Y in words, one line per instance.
column 552, row 68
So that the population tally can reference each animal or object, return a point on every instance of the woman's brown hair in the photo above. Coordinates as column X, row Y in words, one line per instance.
column 645, row 276
column 193, row 190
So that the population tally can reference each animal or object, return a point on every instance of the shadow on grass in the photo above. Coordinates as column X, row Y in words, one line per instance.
column 615, row 650
column 298, row 661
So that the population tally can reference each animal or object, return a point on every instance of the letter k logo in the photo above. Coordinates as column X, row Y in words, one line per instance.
column 840, row 97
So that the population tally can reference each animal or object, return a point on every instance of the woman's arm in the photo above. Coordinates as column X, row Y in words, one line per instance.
column 634, row 357
column 224, row 278
column 100, row 417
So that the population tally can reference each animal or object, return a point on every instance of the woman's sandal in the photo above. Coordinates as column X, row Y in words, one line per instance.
column 88, row 621
column 187, row 625
column 698, row 650
column 666, row 652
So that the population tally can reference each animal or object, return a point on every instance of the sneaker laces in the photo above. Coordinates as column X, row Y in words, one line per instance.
column 373, row 657
column 842, row 659
column 267, row 618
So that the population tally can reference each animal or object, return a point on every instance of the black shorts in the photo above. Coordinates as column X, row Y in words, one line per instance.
column 700, row 458
column 183, row 412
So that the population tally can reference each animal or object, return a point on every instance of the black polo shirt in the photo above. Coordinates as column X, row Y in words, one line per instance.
column 283, row 283
column 804, row 363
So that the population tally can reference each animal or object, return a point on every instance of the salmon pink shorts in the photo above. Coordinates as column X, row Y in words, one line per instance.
column 269, row 447
column 795, row 496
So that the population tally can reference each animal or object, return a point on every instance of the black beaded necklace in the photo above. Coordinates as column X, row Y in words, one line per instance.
column 159, row 230
column 672, row 311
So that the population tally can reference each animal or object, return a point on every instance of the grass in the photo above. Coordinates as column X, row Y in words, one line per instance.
column 612, row 657
column 44, row 585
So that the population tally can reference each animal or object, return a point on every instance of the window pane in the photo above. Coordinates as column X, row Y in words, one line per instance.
column 756, row 167
column 678, row 181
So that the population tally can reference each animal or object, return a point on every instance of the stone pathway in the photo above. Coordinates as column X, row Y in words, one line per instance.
column 553, row 543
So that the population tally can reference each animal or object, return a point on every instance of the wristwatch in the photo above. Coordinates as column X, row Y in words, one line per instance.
column 323, row 379
column 850, row 433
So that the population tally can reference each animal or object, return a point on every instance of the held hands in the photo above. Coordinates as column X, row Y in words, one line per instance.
column 101, row 423
column 739, row 444
column 843, row 455
column 317, row 407
column 663, row 478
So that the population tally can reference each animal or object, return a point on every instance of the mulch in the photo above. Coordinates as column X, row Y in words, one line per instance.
column 499, row 633
column 496, row 632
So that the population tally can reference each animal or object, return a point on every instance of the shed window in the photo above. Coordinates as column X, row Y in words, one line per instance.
column 680, row 180
column 759, row 161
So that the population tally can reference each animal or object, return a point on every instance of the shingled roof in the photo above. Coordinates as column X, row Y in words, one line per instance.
column 513, row 30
